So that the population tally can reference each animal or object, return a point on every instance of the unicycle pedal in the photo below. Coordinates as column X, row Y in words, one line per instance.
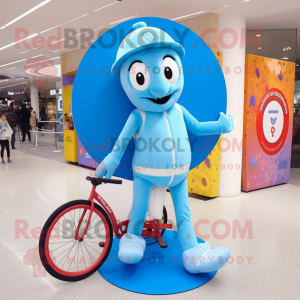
column 163, row 244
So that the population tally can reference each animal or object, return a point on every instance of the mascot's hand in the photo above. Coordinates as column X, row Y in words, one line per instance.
column 107, row 167
column 226, row 123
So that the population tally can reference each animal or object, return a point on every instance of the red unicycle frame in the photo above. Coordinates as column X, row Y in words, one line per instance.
column 151, row 228
column 70, row 250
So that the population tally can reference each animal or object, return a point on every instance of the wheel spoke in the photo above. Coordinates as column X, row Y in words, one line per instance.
column 69, row 254
column 91, row 247
column 60, row 230
column 88, row 251
column 96, row 224
column 63, row 252
column 74, row 257
column 61, row 246
column 82, row 255
column 72, row 219
column 69, row 223
column 56, row 243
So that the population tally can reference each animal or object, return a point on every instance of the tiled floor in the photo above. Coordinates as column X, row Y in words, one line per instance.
column 31, row 188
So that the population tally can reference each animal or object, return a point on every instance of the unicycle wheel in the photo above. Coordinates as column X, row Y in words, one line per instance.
column 63, row 256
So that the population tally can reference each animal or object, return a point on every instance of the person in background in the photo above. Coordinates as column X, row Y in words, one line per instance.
column 12, row 120
column 25, row 122
column 5, row 133
column 43, row 117
column 32, row 118
column 36, row 119
column 33, row 122
column 18, row 111
column 12, row 104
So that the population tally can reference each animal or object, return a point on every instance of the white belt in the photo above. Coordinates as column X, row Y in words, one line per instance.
column 161, row 172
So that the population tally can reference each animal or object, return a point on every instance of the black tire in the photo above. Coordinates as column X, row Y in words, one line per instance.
column 165, row 220
column 48, row 265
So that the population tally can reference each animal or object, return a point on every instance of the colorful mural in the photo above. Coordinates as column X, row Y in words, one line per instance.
column 268, row 122
column 204, row 179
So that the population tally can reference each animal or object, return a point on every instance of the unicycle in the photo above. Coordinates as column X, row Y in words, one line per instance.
column 77, row 238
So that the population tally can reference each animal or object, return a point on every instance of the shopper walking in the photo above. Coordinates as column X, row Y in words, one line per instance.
column 12, row 120
column 25, row 122
column 5, row 133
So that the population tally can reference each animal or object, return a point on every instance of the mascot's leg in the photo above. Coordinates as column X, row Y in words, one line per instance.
column 197, row 258
column 132, row 245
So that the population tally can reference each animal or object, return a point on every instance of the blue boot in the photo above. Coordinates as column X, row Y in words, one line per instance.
column 203, row 259
column 131, row 248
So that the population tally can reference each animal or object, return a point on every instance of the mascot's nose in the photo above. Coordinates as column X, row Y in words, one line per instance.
column 159, row 90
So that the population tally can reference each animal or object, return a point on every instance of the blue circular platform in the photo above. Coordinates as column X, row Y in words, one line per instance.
column 161, row 271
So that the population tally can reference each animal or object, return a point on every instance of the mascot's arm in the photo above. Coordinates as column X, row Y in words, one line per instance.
column 223, row 125
column 112, row 160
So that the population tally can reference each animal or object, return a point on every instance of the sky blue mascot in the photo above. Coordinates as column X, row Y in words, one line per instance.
column 148, row 64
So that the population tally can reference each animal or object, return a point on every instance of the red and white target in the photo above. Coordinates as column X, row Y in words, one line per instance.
column 272, row 121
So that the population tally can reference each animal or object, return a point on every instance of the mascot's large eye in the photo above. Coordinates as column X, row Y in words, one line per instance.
column 139, row 76
column 170, row 70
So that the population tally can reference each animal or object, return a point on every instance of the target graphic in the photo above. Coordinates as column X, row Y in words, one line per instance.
column 272, row 121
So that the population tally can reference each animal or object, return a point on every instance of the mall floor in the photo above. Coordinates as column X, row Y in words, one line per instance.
column 32, row 187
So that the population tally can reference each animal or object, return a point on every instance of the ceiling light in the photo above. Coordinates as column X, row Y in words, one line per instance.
column 37, row 55
column 259, row 48
column 13, row 62
column 50, row 28
column 297, row 65
column 24, row 51
column 258, row 35
column 290, row 48
column 25, row 14
column 55, row 42
column 105, row 6
column 19, row 41
column 97, row 28
column 55, row 51
column 283, row 49
column 122, row 20
column 81, row 33
column 64, row 23
column 200, row 12
column 10, row 69
column 77, row 18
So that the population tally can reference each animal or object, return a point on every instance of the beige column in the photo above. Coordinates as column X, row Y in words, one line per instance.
column 206, row 26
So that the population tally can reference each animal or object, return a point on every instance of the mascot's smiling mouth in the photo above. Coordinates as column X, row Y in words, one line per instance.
column 162, row 100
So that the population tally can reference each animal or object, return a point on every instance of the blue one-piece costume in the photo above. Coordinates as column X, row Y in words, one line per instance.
column 148, row 63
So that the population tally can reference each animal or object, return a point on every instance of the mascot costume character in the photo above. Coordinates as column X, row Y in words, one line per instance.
column 148, row 64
